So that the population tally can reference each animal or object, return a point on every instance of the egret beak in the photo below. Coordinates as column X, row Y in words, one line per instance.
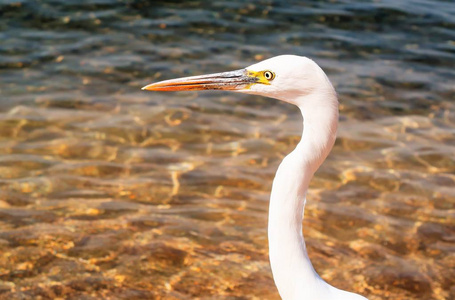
column 234, row 80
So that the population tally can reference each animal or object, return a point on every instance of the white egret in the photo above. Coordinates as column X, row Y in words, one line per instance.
column 299, row 81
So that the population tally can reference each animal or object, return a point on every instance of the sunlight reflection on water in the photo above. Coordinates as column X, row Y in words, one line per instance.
column 111, row 192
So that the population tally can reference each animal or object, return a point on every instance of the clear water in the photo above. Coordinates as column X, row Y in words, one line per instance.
column 109, row 192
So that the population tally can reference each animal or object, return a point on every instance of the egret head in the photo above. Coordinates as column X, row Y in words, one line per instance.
column 287, row 77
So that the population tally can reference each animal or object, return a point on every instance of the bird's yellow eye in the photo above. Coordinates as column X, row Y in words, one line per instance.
column 269, row 75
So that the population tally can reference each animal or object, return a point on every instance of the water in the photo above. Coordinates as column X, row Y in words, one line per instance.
column 109, row 192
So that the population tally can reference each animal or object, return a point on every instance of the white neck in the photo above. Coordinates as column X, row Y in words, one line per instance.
column 292, row 270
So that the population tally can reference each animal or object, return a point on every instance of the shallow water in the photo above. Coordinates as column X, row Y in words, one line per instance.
column 110, row 192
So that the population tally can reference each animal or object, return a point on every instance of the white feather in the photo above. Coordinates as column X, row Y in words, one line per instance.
column 300, row 81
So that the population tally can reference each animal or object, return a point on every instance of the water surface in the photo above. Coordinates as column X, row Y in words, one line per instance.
column 109, row 192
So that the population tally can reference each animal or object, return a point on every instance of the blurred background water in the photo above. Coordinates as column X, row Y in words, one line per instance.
column 109, row 192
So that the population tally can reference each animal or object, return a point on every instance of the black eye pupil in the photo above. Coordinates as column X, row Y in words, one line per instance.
column 268, row 75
